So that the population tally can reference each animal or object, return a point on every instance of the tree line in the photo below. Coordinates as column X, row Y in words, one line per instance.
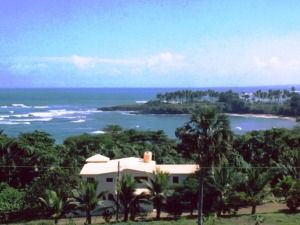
column 277, row 102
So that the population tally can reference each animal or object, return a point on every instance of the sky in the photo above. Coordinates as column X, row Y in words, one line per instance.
column 149, row 43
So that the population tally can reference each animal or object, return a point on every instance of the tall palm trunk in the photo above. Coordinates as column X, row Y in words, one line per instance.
column 126, row 212
column 191, row 210
column 200, row 200
column 88, row 217
column 253, row 210
column 158, row 210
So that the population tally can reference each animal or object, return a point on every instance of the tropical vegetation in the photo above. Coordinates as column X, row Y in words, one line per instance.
column 41, row 178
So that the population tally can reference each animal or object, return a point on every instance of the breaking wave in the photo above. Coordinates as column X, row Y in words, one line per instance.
column 141, row 102
column 238, row 128
column 4, row 122
column 41, row 107
column 98, row 132
column 20, row 105
column 78, row 121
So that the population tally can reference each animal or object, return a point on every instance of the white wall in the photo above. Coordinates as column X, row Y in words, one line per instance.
column 103, row 185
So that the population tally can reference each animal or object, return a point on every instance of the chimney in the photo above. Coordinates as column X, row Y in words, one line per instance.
column 147, row 156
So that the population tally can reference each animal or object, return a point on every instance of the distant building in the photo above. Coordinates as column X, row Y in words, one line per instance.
column 105, row 171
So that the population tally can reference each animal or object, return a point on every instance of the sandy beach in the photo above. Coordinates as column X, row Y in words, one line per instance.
column 265, row 116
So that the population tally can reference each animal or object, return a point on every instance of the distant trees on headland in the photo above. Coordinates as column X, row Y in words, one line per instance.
column 276, row 102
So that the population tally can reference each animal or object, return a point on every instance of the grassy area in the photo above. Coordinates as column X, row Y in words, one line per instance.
column 268, row 219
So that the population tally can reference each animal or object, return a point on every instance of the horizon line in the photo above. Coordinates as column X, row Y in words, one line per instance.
column 148, row 87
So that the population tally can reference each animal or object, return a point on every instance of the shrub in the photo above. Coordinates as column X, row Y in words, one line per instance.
column 11, row 200
column 173, row 205
column 283, row 186
column 107, row 215
column 293, row 198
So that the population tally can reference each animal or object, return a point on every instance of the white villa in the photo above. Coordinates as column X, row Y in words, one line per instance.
column 105, row 171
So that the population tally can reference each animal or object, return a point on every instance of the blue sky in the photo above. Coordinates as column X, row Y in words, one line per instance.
column 140, row 43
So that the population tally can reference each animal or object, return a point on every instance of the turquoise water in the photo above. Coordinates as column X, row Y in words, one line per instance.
column 67, row 112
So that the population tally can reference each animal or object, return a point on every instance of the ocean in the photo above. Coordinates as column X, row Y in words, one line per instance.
column 65, row 112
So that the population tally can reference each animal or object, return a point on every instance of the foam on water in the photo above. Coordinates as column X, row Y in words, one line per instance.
column 31, row 120
column 98, row 132
column 238, row 128
column 41, row 107
column 78, row 121
column 4, row 122
column 20, row 115
column 20, row 105
column 128, row 113
column 141, row 102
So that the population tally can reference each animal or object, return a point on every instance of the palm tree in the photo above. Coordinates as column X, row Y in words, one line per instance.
column 190, row 191
column 208, row 136
column 255, row 186
column 55, row 205
column 87, row 198
column 290, row 162
column 224, row 180
column 128, row 199
column 158, row 188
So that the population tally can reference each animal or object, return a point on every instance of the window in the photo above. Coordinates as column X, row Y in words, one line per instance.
column 175, row 180
column 110, row 197
column 109, row 179
column 90, row 179
column 140, row 179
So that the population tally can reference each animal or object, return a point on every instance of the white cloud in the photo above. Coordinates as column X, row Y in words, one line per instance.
column 247, row 61
column 276, row 64
column 166, row 62
column 82, row 62
column 160, row 63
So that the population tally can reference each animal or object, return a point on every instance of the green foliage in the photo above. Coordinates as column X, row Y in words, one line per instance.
column 258, row 219
column 126, row 189
column 56, row 206
column 225, row 180
column 231, row 102
column 293, row 197
column 11, row 199
column 33, row 163
column 190, row 192
column 158, row 188
column 283, row 186
column 255, row 186
column 63, row 181
column 86, row 197
column 129, row 200
column 107, row 216
column 174, row 205
column 123, row 143
column 278, row 102
column 27, row 157
column 206, row 137
column 209, row 220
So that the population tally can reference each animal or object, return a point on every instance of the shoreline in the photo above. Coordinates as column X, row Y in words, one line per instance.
column 264, row 116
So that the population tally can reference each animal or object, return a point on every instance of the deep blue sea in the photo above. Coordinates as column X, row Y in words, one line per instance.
column 64, row 112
